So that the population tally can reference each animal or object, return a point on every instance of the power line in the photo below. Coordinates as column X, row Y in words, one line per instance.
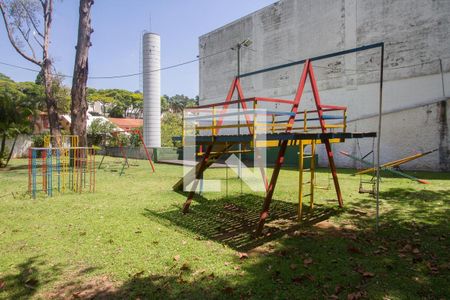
column 18, row 67
column 337, row 69
column 124, row 75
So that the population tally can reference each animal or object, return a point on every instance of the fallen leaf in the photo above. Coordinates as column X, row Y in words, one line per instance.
column 242, row 255
column 293, row 266
column 433, row 268
column 211, row 276
column 354, row 296
column 311, row 278
column 368, row 274
column 237, row 268
column 298, row 279
column 416, row 251
column 183, row 242
column 406, row 248
column 226, row 263
column 176, row 258
column 2, row 284
column 354, row 250
column 338, row 289
column 307, row 261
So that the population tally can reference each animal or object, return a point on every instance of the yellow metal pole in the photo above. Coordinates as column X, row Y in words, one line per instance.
column 312, row 167
column 213, row 131
column 300, row 180
column 255, row 105
column 345, row 120
column 46, row 141
column 305, row 121
column 273, row 123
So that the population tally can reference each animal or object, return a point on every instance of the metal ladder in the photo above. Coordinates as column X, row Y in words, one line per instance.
column 301, row 178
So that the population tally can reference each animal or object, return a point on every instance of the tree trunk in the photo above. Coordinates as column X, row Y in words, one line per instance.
column 79, row 104
column 11, row 151
column 52, row 104
column 2, row 148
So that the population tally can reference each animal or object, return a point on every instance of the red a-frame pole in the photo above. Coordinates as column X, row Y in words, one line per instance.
column 307, row 70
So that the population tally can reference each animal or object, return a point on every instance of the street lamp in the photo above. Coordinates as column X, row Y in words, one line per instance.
column 245, row 43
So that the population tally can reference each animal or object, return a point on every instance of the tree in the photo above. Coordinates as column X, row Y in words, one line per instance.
column 137, row 104
column 16, row 110
column 3, row 77
column 165, row 103
column 79, row 104
column 98, row 96
column 123, row 102
column 98, row 129
column 28, row 25
column 171, row 125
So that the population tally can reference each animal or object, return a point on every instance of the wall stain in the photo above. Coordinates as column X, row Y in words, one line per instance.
column 444, row 154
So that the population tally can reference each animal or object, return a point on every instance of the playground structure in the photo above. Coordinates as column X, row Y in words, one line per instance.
column 310, row 129
column 123, row 151
column 61, row 168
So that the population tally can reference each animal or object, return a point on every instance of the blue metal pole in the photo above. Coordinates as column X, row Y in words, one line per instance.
column 33, row 172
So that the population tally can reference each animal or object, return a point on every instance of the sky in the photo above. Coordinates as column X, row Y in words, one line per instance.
column 118, row 26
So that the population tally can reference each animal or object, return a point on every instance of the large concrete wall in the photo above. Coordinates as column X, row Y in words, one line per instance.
column 416, row 35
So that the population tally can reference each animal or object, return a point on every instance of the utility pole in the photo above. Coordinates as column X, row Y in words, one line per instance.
column 244, row 43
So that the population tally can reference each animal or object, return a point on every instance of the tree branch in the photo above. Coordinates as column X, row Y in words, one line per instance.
column 31, row 19
column 11, row 38
column 38, row 42
column 26, row 37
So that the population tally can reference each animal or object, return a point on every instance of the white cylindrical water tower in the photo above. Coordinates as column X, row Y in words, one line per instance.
column 151, row 63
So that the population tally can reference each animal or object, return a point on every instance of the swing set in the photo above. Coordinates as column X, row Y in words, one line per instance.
column 124, row 151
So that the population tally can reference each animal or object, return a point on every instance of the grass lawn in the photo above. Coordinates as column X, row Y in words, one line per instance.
column 130, row 240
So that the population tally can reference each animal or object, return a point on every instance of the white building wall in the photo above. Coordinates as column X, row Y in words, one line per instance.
column 416, row 34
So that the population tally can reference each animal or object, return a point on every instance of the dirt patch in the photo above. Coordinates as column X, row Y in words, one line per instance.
column 282, row 224
column 262, row 250
column 98, row 288
column 331, row 227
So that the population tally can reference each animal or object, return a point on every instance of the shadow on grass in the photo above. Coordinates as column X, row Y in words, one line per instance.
column 406, row 259
column 14, row 167
column 28, row 279
column 418, row 196
column 232, row 220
